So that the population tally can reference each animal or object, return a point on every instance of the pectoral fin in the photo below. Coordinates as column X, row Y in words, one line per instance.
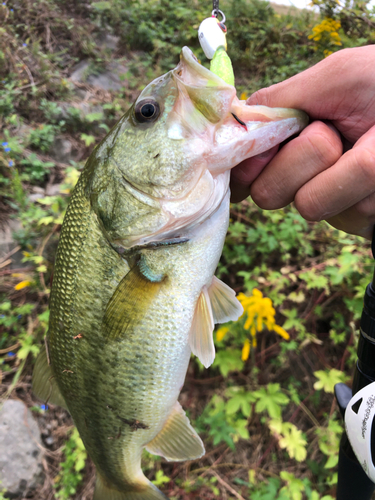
column 200, row 336
column 177, row 440
column 44, row 383
column 130, row 301
column 225, row 305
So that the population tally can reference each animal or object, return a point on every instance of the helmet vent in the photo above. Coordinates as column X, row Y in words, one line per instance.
column 356, row 405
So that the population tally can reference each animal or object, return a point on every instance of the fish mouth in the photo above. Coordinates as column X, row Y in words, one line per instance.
column 211, row 111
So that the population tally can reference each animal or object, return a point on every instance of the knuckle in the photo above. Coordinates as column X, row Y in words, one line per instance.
column 326, row 147
column 308, row 205
column 366, row 207
column 261, row 195
column 365, row 160
column 259, row 97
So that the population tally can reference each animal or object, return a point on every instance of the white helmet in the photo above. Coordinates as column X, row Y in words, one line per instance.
column 359, row 416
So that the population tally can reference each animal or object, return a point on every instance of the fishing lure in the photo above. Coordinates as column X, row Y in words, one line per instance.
column 212, row 37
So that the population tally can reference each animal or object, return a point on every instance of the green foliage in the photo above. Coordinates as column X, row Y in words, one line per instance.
column 329, row 441
column 2, row 493
column 70, row 476
column 160, row 478
column 239, row 400
column 271, row 400
column 223, row 425
column 228, row 361
column 42, row 137
column 13, row 320
column 328, row 379
column 294, row 487
column 290, row 438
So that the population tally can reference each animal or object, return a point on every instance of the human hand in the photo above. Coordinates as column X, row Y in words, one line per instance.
column 328, row 176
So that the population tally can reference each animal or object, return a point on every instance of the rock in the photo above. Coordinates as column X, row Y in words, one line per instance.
column 49, row 440
column 107, row 41
column 80, row 71
column 53, row 189
column 36, row 194
column 61, row 150
column 21, row 469
column 8, row 243
column 110, row 79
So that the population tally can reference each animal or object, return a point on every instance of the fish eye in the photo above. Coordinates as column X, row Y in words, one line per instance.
column 147, row 110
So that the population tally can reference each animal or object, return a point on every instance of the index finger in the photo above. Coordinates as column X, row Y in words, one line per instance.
column 331, row 89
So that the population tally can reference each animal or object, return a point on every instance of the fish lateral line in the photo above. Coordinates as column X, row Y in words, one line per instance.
column 153, row 245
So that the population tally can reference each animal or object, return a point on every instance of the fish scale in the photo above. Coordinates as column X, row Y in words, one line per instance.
column 134, row 291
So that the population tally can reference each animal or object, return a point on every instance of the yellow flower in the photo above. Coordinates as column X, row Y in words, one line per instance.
column 246, row 350
column 327, row 28
column 22, row 284
column 280, row 330
column 260, row 314
column 259, row 311
column 222, row 331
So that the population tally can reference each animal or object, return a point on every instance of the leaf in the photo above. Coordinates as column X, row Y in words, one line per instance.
column 294, row 487
column 328, row 379
column 228, row 361
column 270, row 399
column 297, row 297
column 45, row 220
column 314, row 280
column 93, row 117
column 332, row 461
column 160, row 478
column 239, row 400
column 102, row 6
column 87, row 139
column 241, row 429
column 290, row 438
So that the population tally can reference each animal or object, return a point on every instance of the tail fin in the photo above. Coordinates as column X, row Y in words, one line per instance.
column 105, row 492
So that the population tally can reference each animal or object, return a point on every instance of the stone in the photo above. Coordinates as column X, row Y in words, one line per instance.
column 109, row 79
column 50, row 440
column 80, row 71
column 107, row 41
column 53, row 189
column 61, row 150
column 8, row 243
column 21, row 469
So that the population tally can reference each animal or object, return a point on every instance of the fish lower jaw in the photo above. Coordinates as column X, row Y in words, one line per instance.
column 235, row 143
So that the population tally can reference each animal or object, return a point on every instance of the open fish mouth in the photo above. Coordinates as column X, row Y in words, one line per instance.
column 235, row 131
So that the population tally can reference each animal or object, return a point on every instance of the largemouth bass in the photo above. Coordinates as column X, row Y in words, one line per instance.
column 134, row 291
